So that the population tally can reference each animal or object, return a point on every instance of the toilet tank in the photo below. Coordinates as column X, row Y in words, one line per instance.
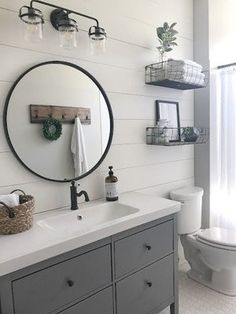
column 189, row 218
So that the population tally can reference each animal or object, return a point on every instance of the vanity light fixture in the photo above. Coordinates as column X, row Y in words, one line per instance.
column 61, row 21
column 66, row 26
column 33, row 22
column 97, row 37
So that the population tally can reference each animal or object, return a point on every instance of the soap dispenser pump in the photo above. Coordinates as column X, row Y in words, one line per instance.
column 111, row 186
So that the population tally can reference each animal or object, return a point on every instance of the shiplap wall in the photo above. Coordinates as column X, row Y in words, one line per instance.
column 131, row 45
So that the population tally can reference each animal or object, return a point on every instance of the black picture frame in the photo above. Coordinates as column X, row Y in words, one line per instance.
column 174, row 125
column 5, row 125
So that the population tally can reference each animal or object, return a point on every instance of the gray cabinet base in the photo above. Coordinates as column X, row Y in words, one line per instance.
column 133, row 272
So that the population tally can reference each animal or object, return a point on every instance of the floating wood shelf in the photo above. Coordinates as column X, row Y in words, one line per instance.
column 40, row 113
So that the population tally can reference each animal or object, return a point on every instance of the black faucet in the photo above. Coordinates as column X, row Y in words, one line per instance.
column 74, row 194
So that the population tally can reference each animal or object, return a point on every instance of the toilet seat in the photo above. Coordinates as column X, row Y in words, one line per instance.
column 218, row 237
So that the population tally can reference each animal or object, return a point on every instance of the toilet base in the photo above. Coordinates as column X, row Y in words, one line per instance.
column 213, row 282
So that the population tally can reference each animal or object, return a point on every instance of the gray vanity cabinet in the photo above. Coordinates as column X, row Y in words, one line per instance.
column 133, row 272
column 99, row 303
column 60, row 284
column 144, row 291
column 143, row 248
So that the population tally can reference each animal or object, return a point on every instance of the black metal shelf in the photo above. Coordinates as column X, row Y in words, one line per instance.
column 175, row 85
column 176, row 136
column 166, row 75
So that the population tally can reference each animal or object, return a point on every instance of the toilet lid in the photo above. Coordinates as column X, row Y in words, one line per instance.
column 215, row 235
column 186, row 193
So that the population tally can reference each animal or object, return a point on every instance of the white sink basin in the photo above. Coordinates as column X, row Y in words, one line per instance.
column 60, row 231
column 83, row 220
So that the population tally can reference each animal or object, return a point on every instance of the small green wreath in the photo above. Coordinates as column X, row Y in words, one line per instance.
column 52, row 129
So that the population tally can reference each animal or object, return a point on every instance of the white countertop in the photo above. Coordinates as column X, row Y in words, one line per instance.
column 38, row 244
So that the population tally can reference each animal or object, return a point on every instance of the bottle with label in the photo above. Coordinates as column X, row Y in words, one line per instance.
column 111, row 186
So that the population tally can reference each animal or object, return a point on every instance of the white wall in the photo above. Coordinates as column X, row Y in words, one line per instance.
column 222, row 32
column 131, row 45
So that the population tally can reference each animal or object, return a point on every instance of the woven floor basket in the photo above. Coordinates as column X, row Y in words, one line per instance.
column 19, row 218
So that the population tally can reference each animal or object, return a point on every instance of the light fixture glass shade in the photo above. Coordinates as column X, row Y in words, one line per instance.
column 67, row 36
column 97, row 46
column 33, row 23
column 97, row 36
column 33, row 32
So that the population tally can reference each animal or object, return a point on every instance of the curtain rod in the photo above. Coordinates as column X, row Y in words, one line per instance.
column 225, row 66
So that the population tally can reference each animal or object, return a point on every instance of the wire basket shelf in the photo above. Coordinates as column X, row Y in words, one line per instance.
column 176, row 136
column 172, row 75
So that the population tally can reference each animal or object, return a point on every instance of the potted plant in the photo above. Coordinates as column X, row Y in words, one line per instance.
column 190, row 134
column 167, row 38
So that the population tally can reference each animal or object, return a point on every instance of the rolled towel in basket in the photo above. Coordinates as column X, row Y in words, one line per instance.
column 189, row 72
column 198, row 79
column 179, row 65
column 10, row 200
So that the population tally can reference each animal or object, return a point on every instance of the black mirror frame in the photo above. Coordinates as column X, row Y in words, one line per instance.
column 108, row 107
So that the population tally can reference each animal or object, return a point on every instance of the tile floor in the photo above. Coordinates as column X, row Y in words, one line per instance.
column 197, row 299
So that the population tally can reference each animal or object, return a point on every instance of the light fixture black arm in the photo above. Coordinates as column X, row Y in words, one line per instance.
column 64, row 9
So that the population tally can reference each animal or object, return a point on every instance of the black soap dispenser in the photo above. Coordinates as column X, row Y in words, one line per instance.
column 111, row 182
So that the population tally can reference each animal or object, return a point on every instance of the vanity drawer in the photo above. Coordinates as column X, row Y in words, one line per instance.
column 48, row 289
column 144, row 247
column 145, row 291
column 100, row 303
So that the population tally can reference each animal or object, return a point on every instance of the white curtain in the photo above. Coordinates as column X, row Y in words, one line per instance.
column 223, row 148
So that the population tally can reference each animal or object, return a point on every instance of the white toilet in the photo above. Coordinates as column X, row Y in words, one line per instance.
column 211, row 253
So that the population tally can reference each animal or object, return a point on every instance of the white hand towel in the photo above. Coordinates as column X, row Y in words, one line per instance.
column 78, row 149
column 184, row 63
column 198, row 79
column 10, row 200
column 183, row 71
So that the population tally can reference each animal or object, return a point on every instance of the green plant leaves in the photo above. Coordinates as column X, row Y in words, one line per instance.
column 165, row 26
column 160, row 32
column 173, row 25
column 173, row 32
column 166, row 37
column 52, row 129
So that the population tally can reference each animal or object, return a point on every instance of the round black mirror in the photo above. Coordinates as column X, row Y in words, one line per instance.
column 58, row 121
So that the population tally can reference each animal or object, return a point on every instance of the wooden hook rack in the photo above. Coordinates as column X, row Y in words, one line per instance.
column 40, row 113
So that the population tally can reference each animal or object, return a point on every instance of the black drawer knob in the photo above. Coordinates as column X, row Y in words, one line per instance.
column 70, row 283
column 148, row 247
column 149, row 283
